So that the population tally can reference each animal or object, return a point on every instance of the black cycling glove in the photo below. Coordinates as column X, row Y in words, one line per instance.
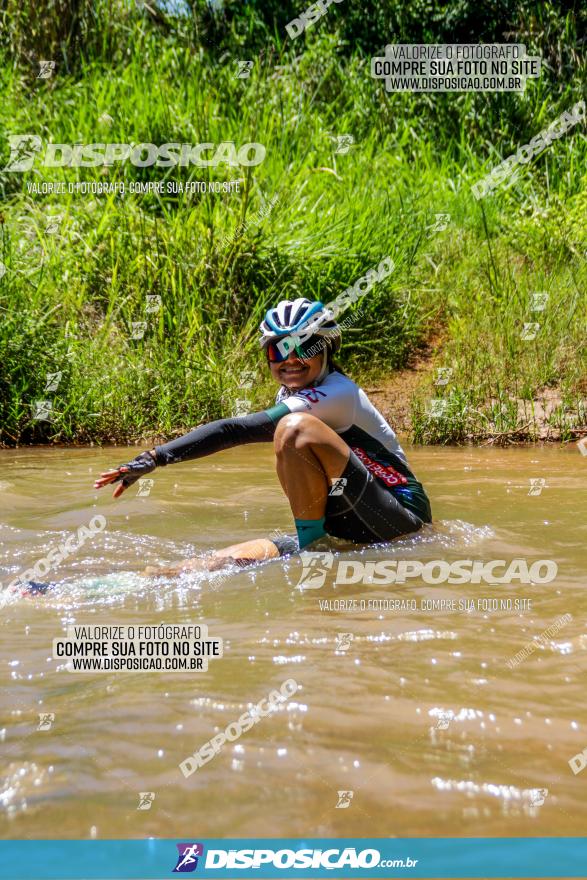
column 140, row 466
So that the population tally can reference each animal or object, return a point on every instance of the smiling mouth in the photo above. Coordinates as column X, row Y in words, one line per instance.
column 293, row 371
column 293, row 374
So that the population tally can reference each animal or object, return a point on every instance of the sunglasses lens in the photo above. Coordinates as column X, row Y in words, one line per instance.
column 309, row 348
column 274, row 354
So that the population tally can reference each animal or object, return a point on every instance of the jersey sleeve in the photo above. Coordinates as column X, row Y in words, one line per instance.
column 215, row 436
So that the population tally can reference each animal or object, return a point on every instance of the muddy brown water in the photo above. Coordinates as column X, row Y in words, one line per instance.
column 416, row 711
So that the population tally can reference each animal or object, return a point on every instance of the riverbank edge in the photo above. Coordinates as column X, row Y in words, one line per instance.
column 394, row 397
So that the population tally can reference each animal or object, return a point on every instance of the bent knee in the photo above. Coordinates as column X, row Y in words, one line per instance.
column 294, row 431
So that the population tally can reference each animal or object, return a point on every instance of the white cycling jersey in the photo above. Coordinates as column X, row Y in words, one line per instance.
column 343, row 406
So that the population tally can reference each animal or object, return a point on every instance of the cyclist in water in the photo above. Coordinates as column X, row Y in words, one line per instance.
column 339, row 462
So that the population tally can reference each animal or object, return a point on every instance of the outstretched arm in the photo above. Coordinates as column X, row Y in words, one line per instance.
column 210, row 438
column 205, row 440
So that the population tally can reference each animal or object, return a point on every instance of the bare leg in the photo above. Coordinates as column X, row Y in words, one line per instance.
column 241, row 554
column 310, row 456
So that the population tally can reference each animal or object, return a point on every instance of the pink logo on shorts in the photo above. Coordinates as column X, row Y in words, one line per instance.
column 385, row 472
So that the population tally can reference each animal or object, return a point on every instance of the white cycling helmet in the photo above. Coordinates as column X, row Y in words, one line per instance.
column 300, row 318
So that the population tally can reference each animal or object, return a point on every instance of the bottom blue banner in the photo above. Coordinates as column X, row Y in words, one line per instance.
column 153, row 859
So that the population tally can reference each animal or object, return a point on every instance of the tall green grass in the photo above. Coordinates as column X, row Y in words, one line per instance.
column 68, row 299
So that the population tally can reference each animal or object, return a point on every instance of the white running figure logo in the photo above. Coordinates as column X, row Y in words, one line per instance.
column 189, row 856
column 315, row 566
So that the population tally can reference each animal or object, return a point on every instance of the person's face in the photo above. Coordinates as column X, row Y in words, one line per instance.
column 295, row 372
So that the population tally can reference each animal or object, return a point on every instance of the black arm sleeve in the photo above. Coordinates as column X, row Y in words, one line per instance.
column 222, row 434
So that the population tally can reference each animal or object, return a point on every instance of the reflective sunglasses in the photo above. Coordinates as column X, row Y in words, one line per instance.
column 279, row 351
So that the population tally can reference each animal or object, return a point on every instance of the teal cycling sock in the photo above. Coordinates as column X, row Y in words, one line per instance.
column 309, row 530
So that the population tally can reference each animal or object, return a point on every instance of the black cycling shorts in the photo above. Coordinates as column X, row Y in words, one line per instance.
column 365, row 512
column 361, row 510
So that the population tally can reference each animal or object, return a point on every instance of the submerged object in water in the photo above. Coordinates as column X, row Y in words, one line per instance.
column 36, row 588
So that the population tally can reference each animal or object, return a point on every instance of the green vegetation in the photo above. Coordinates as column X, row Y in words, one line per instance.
column 461, row 296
